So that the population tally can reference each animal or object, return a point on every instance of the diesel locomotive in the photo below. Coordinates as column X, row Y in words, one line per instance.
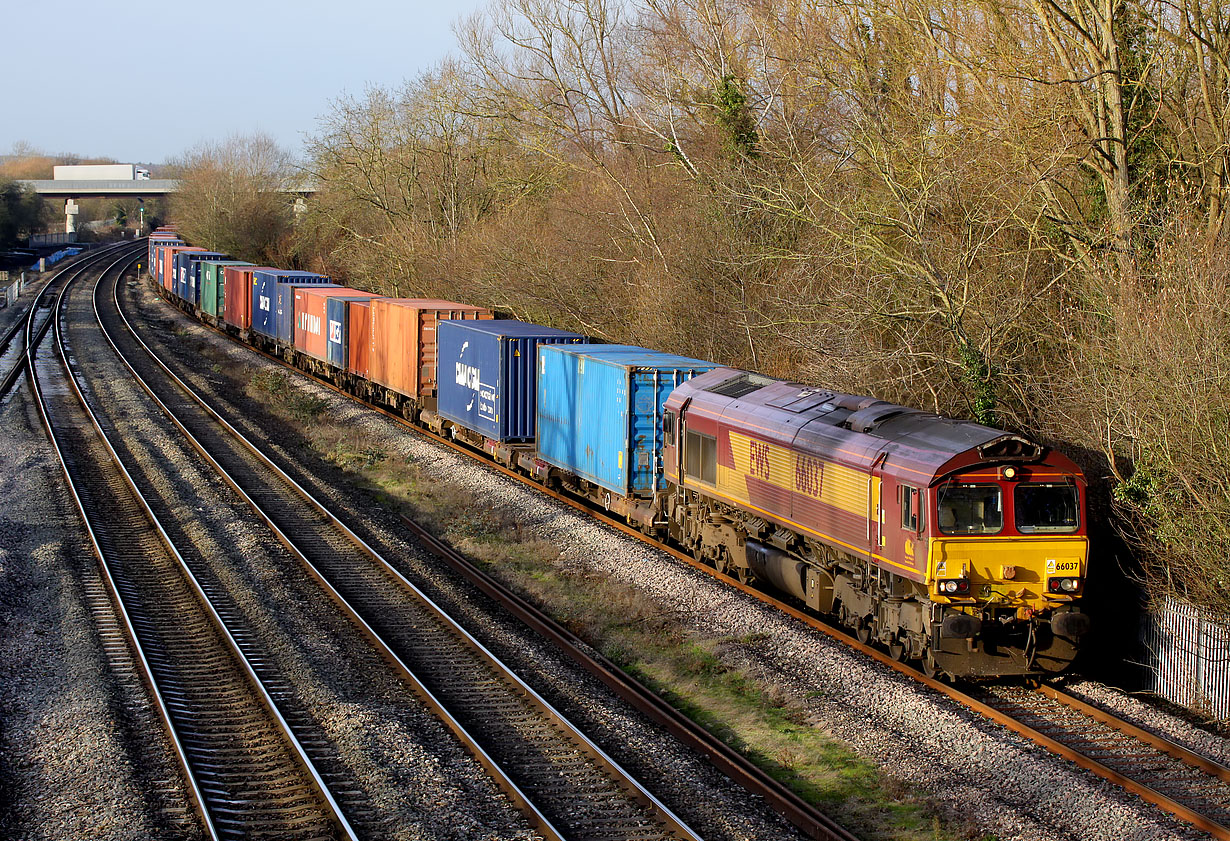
column 947, row 542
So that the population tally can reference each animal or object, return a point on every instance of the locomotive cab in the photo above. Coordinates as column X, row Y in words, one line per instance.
column 1006, row 564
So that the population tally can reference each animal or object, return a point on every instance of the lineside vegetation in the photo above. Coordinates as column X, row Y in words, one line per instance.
column 1007, row 211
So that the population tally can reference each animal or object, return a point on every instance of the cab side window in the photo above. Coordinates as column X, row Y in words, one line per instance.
column 668, row 429
column 911, row 509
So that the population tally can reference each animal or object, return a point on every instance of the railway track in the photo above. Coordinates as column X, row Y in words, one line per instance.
column 33, row 323
column 1191, row 787
column 245, row 770
column 564, row 782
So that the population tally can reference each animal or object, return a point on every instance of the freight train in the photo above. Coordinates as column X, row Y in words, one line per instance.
column 952, row 544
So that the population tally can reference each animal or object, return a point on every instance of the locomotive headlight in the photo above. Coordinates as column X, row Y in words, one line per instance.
column 1008, row 473
column 955, row 586
column 948, row 586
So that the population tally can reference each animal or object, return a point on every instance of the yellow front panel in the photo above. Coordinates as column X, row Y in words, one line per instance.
column 983, row 560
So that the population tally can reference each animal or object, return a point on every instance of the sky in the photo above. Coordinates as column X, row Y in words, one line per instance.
column 145, row 83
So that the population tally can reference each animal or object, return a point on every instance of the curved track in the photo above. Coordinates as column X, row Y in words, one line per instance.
column 246, row 772
column 1193, row 788
column 565, row 783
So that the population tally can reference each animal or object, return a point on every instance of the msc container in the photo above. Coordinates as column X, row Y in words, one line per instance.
column 403, row 337
column 600, row 412
column 359, row 338
column 487, row 374
column 188, row 273
column 169, row 274
column 313, row 329
column 337, row 326
column 265, row 296
column 238, row 293
column 213, row 285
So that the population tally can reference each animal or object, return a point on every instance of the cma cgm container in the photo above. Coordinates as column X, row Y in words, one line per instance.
column 168, row 264
column 403, row 337
column 265, row 297
column 188, row 273
column 213, row 285
column 313, row 329
column 487, row 375
column 600, row 411
column 338, row 324
column 238, row 293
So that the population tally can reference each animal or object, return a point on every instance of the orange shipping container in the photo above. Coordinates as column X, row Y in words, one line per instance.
column 403, row 341
column 312, row 318
column 168, row 263
column 360, row 316
column 238, row 292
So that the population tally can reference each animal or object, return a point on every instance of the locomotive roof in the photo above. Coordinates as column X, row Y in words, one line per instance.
column 814, row 419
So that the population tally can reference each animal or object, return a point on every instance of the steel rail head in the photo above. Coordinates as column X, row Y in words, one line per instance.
column 262, row 692
column 794, row 809
column 194, row 791
column 626, row 780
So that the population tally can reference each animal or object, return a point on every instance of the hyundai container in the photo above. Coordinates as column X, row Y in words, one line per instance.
column 403, row 341
column 487, row 375
column 265, row 298
column 600, row 412
column 213, row 285
column 314, row 331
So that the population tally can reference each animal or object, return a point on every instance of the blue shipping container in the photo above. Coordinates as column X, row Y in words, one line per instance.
column 337, row 337
column 265, row 297
column 187, row 273
column 486, row 379
column 600, row 412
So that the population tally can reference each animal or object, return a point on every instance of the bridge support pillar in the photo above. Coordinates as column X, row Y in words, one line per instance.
column 70, row 216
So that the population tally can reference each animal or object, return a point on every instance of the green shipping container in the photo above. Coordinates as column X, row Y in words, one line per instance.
column 213, row 285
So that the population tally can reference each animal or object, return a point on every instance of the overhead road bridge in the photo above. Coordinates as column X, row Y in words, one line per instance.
column 135, row 188
column 104, row 189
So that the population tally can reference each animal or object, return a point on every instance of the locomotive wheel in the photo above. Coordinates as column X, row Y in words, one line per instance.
column 897, row 649
column 863, row 631
column 931, row 668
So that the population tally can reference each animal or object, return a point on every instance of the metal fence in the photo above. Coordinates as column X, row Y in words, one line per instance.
column 1188, row 653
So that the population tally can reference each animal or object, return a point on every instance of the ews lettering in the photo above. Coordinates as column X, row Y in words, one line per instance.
column 759, row 456
column 807, row 475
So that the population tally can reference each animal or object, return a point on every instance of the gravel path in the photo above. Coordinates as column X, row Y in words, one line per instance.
column 993, row 780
